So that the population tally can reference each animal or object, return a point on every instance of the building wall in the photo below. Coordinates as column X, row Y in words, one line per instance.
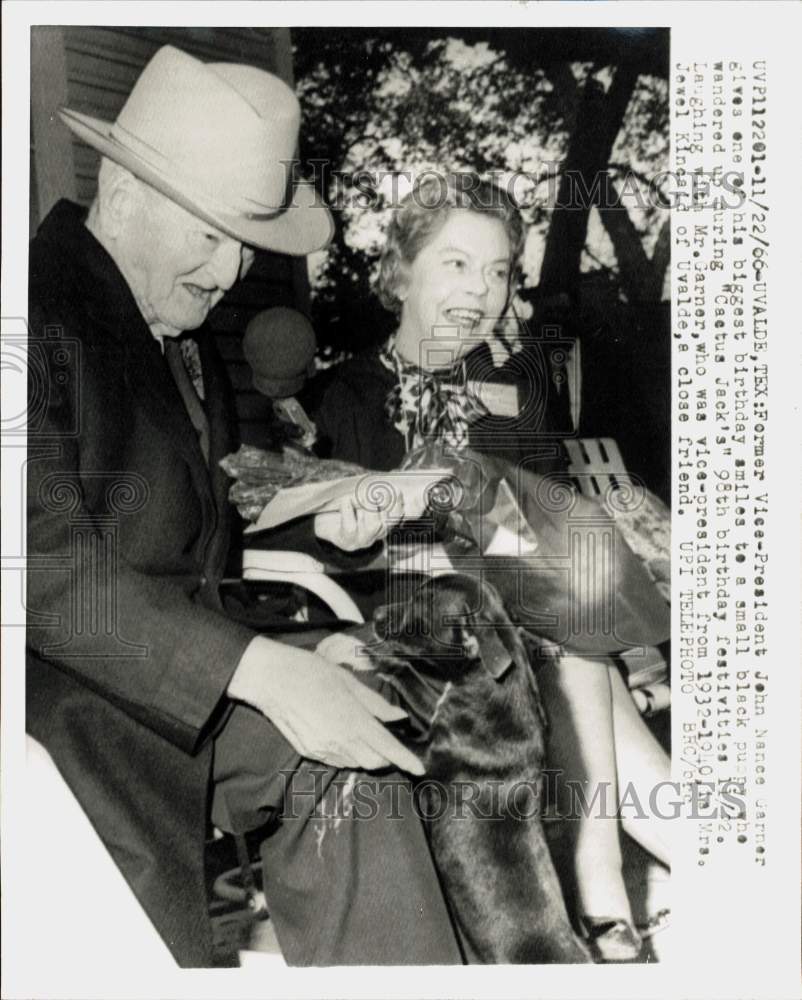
column 92, row 69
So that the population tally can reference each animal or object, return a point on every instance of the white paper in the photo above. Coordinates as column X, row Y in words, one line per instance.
column 399, row 495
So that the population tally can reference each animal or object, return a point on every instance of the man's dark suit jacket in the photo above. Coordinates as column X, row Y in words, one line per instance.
column 129, row 653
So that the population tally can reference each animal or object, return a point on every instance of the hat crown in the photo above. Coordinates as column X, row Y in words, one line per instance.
column 219, row 139
column 229, row 130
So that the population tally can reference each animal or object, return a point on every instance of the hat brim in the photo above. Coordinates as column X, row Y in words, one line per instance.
column 304, row 226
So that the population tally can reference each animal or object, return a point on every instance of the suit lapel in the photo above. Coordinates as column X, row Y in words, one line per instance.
column 110, row 304
column 222, row 421
column 217, row 411
column 151, row 384
column 154, row 387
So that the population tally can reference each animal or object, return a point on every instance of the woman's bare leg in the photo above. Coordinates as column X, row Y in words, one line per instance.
column 578, row 699
column 642, row 765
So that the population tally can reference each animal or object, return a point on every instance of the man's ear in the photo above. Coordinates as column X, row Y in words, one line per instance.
column 119, row 198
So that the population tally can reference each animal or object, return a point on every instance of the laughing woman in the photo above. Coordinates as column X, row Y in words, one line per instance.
column 448, row 271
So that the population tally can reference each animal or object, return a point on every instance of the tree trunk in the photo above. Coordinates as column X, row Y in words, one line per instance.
column 661, row 258
column 585, row 181
column 641, row 278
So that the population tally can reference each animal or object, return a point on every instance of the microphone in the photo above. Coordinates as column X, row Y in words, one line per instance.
column 279, row 345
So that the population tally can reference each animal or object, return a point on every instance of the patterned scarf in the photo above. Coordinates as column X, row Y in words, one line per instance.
column 426, row 405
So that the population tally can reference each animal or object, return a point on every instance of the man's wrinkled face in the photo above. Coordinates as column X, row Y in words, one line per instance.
column 178, row 266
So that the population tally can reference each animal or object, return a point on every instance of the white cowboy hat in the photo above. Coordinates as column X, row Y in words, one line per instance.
column 219, row 139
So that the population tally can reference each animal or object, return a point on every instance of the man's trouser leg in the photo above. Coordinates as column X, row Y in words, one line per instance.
column 348, row 876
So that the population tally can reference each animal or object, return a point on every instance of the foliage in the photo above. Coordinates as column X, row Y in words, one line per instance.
column 380, row 109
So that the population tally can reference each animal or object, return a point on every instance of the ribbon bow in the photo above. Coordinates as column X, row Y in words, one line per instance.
column 430, row 405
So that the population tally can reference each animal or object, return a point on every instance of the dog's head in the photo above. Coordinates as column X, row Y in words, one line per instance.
column 453, row 621
column 452, row 630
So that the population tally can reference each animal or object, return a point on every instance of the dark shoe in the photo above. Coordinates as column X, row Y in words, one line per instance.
column 610, row 939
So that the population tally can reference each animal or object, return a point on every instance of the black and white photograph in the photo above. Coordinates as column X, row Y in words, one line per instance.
column 369, row 372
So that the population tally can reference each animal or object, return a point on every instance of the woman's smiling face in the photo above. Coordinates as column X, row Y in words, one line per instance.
column 455, row 290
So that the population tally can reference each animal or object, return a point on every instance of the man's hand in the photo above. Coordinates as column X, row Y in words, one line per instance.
column 320, row 708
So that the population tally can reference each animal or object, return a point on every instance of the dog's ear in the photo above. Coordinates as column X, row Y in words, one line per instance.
column 484, row 643
column 388, row 619
column 538, row 651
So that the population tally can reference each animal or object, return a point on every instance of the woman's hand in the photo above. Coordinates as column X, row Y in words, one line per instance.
column 351, row 527
column 321, row 709
column 345, row 649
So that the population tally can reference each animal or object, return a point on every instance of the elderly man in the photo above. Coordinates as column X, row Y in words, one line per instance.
column 138, row 683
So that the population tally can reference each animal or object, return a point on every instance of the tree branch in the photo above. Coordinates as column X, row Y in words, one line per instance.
column 566, row 91
column 660, row 260
column 598, row 124
column 632, row 260
column 623, row 169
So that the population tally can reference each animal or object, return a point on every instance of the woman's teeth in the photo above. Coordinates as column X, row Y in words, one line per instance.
column 465, row 317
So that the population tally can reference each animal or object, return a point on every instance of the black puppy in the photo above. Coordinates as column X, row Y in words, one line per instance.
column 464, row 675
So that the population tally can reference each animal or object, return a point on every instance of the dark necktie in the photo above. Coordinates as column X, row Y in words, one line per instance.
column 175, row 359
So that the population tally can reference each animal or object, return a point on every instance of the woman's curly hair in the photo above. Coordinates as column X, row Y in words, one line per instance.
column 424, row 211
